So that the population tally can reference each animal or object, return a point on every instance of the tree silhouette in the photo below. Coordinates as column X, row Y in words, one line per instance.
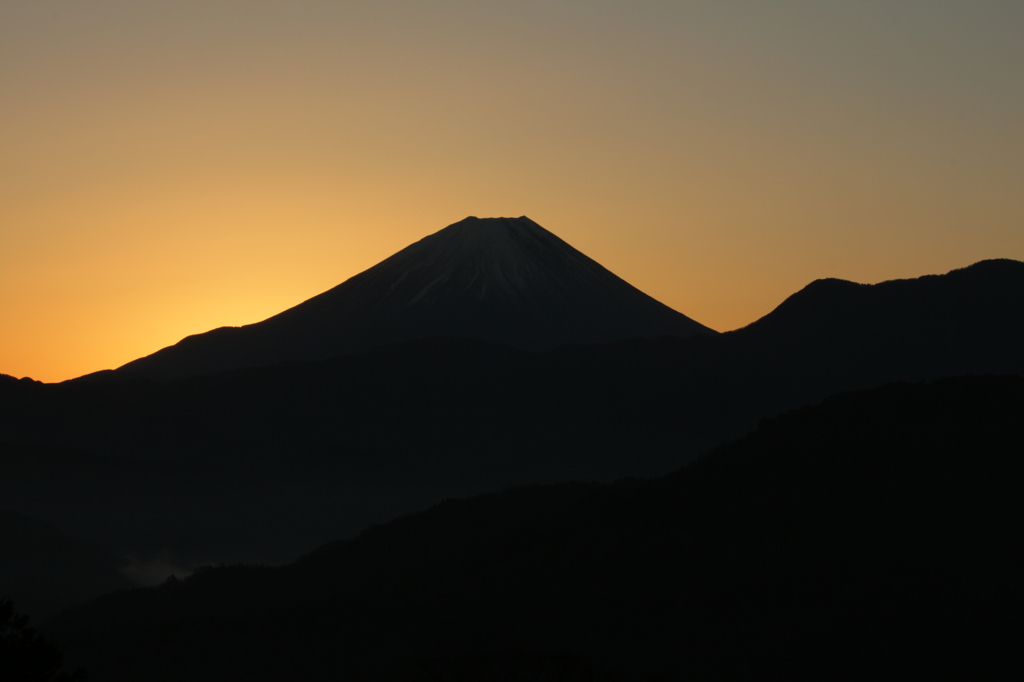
column 24, row 654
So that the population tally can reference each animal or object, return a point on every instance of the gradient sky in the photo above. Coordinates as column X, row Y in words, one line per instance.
column 169, row 167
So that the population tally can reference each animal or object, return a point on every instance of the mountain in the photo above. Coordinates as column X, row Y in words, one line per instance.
column 837, row 335
column 950, row 308
column 874, row 535
column 505, row 280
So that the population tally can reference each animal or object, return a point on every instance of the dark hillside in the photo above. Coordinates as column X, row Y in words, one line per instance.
column 43, row 570
column 835, row 335
column 874, row 534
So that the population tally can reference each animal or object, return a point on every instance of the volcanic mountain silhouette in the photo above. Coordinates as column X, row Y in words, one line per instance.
column 506, row 280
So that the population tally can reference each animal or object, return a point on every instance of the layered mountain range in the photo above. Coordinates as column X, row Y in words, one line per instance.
column 487, row 355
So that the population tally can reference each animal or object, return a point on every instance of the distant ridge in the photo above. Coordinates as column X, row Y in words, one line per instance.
column 506, row 280
column 978, row 294
column 840, row 335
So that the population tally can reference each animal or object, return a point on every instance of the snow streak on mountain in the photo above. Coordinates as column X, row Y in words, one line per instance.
column 506, row 280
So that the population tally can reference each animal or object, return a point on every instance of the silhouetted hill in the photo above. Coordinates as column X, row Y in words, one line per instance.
column 969, row 314
column 505, row 280
column 44, row 570
column 873, row 535
column 835, row 335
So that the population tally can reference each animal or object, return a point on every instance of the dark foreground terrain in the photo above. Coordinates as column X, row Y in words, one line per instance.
column 877, row 534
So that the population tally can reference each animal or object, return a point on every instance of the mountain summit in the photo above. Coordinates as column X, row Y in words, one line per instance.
column 506, row 280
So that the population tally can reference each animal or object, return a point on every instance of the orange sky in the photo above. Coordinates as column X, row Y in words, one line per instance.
column 169, row 167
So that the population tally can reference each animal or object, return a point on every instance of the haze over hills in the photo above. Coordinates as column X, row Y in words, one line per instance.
column 43, row 570
column 506, row 280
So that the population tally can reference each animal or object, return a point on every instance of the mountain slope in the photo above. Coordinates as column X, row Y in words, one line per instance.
column 959, row 303
column 836, row 335
column 495, row 279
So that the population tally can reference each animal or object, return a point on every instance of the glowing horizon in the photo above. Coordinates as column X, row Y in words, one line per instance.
column 168, row 168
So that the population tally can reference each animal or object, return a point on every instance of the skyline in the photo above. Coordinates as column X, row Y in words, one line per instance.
column 171, row 168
